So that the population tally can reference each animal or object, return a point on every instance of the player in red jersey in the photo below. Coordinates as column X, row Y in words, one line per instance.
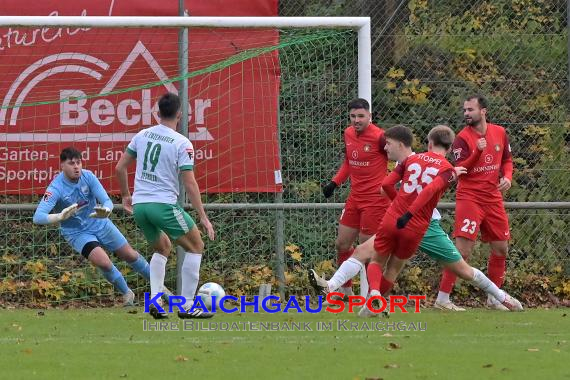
column 366, row 165
column 483, row 149
column 424, row 178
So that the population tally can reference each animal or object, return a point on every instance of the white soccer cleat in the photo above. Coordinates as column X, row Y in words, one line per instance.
column 492, row 303
column 365, row 312
column 129, row 298
column 336, row 298
column 447, row 306
column 512, row 303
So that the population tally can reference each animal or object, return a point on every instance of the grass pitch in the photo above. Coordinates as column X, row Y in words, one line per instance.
column 112, row 344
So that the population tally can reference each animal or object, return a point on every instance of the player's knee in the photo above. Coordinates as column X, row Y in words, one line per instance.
column 499, row 249
column 127, row 253
column 191, row 243
column 341, row 245
column 462, row 270
column 163, row 246
column 196, row 246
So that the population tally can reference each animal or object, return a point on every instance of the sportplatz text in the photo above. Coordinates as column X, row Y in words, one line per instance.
column 272, row 304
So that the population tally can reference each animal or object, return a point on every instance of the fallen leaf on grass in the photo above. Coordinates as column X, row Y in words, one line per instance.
column 181, row 358
column 393, row 346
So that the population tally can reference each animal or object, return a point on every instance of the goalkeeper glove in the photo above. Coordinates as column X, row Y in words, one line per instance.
column 403, row 220
column 100, row 212
column 329, row 189
column 65, row 214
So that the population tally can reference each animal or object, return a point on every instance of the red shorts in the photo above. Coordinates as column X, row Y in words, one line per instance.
column 364, row 216
column 401, row 243
column 491, row 219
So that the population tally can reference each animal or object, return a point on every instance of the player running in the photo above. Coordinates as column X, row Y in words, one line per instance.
column 396, row 241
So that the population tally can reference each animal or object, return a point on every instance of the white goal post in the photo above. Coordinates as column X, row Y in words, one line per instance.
column 360, row 24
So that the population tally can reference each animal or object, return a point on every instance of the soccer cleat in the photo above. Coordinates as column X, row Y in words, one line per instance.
column 195, row 314
column 336, row 298
column 492, row 303
column 153, row 311
column 165, row 294
column 365, row 312
column 129, row 298
column 447, row 306
column 512, row 303
column 318, row 283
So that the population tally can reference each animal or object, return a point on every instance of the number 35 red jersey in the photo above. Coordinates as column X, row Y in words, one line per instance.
column 425, row 177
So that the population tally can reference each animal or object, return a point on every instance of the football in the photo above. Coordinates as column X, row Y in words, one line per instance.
column 208, row 290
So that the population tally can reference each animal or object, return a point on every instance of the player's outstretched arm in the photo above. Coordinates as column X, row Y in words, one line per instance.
column 43, row 217
column 193, row 192
column 48, row 202
column 121, row 172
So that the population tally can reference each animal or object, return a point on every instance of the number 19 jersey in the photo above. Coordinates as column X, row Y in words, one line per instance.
column 161, row 154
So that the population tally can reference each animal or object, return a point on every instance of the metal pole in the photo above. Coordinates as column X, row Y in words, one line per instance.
column 568, row 49
column 183, row 127
column 365, row 63
column 279, row 223
column 308, row 206
column 280, row 247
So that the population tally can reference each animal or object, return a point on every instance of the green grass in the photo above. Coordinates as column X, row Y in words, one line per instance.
column 111, row 344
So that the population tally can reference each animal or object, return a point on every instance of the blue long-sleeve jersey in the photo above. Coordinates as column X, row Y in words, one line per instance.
column 62, row 193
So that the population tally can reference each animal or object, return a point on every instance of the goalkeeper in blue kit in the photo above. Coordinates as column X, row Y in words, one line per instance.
column 82, row 208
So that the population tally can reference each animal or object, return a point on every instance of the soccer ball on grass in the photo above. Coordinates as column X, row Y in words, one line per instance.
column 208, row 290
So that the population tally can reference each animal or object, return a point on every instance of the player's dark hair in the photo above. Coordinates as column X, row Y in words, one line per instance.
column 169, row 105
column 481, row 100
column 400, row 133
column 69, row 153
column 442, row 136
column 358, row 103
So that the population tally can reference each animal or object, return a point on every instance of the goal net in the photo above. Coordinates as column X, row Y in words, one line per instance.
column 265, row 110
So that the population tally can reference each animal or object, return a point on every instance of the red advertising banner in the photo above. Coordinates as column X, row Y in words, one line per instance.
column 51, row 78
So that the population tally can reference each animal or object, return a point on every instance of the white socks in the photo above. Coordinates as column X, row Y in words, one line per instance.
column 347, row 270
column 190, row 276
column 442, row 298
column 157, row 271
column 483, row 282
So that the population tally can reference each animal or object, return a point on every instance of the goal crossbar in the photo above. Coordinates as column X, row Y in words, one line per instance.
column 359, row 24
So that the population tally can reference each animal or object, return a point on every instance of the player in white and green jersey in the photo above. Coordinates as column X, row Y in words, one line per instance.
column 163, row 158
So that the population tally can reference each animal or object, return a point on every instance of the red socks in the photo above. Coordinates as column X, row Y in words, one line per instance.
column 496, row 269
